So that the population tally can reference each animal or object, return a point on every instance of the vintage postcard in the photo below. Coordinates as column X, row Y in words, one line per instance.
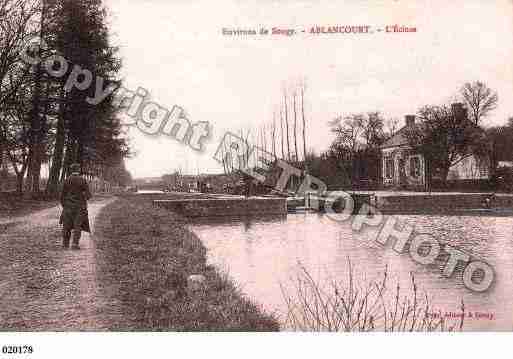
column 255, row 166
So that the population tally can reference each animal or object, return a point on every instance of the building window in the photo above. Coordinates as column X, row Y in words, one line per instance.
column 483, row 171
column 389, row 168
column 415, row 167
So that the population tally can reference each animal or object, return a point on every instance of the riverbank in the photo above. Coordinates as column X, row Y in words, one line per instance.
column 405, row 203
column 148, row 256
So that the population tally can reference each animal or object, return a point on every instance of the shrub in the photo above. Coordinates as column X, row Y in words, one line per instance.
column 350, row 307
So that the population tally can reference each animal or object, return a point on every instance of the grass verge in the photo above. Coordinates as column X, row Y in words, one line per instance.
column 13, row 204
column 148, row 256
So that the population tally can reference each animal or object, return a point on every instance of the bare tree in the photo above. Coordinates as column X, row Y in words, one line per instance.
column 349, row 131
column 358, row 137
column 295, row 126
column 274, row 134
column 373, row 130
column 302, row 90
column 287, row 123
column 264, row 134
column 37, row 119
column 391, row 126
column 480, row 100
column 17, row 25
column 445, row 137
column 281, row 136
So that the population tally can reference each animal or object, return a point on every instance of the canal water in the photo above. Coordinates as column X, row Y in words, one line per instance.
column 266, row 255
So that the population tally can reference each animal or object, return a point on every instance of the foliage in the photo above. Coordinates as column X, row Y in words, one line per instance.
column 40, row 122
column 356, row 147
column 445, row 136
column 501, row 141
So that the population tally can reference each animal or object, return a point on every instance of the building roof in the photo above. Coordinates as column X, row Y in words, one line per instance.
column 398, row 139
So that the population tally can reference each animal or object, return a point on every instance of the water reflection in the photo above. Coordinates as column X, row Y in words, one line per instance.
column 247, row 222
column 262, row 253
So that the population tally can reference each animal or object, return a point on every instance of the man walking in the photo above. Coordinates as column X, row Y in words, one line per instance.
column 74, row 197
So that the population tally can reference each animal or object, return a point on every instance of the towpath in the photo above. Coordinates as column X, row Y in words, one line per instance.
column 46, row 288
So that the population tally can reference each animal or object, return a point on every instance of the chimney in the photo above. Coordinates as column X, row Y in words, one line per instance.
column 410, row 120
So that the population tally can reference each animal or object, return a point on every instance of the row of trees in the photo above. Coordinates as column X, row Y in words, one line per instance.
column 41, row 120
column 355, row 152
column 444, row 134
column 284, row 136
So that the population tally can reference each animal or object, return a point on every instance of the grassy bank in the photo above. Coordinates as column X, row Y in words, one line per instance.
column 148, row 256
column 14, row 204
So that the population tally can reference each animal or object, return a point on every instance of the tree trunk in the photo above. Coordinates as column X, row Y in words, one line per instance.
column 287, row 125
column 427, row 173
column 444, row 173
column 274, row 135
column 53, row 178
column 1, row 155
column 2, row 172
column 19, row 182
column 79, row 152
column 295, row 129
column 281, row 137
column 40, row 144
column 304, row 126
column 36, row 128
column 67, row 160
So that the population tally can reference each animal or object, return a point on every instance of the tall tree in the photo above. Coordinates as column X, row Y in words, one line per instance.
column 302, row 92
column 273, row 134
column 356, row 146
column 294, row 96
column 345, row 147
column 446, row 136
column 39, row 119
column 282, row 135
column 18, row 24
column 480, row 100
column 37, row 114
column 85, row 133
column 285, row 100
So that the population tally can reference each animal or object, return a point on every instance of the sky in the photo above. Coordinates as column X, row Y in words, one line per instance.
column 177, row 51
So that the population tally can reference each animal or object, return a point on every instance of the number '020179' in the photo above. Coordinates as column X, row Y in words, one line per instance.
column 17, row 349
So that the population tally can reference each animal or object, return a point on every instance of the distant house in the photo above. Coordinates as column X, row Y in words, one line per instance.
column 402, row 167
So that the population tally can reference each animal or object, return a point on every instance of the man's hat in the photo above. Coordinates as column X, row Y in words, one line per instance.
column 75, row 167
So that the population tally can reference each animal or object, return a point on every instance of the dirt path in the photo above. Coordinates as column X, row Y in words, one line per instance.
column 43, row 287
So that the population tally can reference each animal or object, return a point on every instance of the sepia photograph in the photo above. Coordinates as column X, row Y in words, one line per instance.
column 289, row 167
